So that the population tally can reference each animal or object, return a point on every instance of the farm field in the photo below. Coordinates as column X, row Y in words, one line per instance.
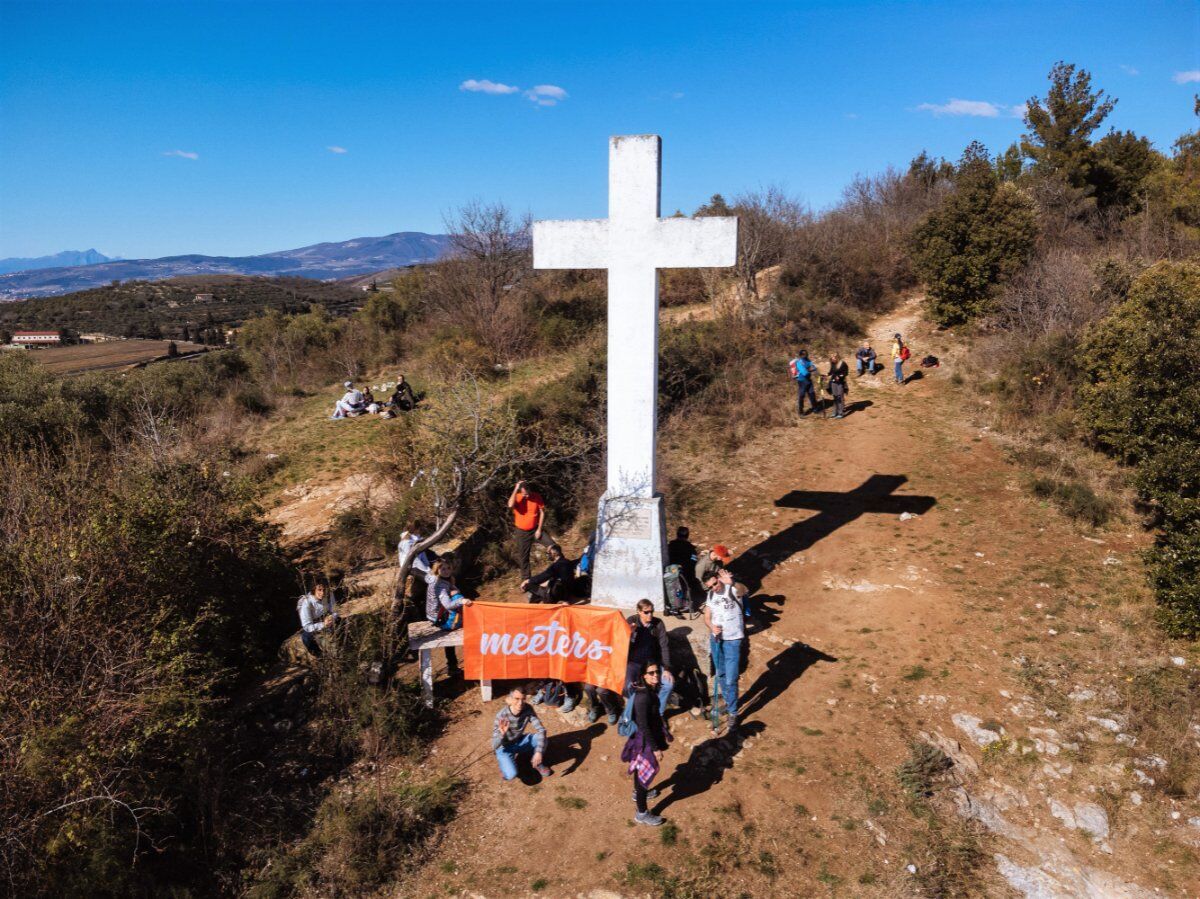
column 115, row 354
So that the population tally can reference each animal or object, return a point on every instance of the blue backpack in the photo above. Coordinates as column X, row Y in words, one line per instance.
column 627, row 727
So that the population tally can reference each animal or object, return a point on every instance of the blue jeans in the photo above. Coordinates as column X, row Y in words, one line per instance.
column 507, row 754
column 899, row 366
column 727, row 655
column 804, row 389
column 867, row 366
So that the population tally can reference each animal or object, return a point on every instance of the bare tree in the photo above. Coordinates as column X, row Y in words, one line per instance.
column 767, row 224
column 480, row 287
column 465, row 443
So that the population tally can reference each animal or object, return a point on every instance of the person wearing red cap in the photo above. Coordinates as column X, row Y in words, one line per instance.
column 716, row 558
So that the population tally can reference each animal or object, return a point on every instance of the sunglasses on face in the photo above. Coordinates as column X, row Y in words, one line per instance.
column 651, row 671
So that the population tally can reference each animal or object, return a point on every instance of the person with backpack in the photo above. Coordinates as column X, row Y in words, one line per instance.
column 647, row 740
column 900, row 354
column 724, row 615
column 316, row 613
column 865, row 358
column 443, row 605
column 802, row 371
column 648, row 645
column 555, row 583
column 839, row 371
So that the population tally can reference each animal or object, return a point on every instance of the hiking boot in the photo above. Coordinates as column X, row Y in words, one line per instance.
column 568, row 704
column 537, row 698
column 648, row 819
column 593, row 716
column 543, row 770
column 613, row 718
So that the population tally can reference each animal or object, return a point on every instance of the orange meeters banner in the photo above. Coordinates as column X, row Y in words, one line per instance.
column 518, row 641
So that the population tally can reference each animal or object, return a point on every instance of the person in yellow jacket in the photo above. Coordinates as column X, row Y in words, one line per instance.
column 900, row 355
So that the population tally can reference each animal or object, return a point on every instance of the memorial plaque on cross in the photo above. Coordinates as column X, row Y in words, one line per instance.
column 633, row 243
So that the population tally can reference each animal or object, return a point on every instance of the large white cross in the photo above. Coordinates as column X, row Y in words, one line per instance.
column 633, row 243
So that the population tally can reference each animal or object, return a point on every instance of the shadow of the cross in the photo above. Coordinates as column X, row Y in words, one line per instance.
column 874, row 495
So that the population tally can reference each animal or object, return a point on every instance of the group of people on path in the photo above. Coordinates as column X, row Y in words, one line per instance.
column 361, row 401
column 809, row 377
column 640, row 711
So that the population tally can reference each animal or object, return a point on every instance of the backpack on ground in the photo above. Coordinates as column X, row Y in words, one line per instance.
column 905, row 353
column 930, row 362
column 675, row 590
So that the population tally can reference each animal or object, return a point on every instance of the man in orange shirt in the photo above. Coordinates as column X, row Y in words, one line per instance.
column 529, row 514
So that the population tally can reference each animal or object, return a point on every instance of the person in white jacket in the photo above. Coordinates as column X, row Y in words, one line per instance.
column 316, row 613
column 351, row 403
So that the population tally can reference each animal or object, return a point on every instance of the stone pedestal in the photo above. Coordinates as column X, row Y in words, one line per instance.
column 631, row 551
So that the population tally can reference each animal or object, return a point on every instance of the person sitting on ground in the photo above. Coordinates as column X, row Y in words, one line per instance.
column 316, row 613
column 555, row 583
column 556, row 694
column 802, row 370
column 443, row 603
column 838, row 388
column 351, row 402
column 682, row 552
column 716, row 558
column 509, row 740
column 643, row 751
column 865, row 359
column 648, row 645
column 403, row 398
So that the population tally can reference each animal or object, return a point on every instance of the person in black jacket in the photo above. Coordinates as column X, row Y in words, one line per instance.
column 555, row 583
column 648, row 644
column 838, row 372
column 644, row 750
column 403, row 398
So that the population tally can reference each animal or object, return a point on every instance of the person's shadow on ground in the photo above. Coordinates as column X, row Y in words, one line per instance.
column 559, row 746
column 782, row 671
column 765, row 610
column 705, row 767
column 859, row 406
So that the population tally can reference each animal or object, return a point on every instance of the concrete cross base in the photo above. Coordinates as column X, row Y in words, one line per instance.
column 631, row 552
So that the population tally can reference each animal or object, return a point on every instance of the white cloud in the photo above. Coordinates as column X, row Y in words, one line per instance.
column 1018, row 111
column 677, row 95
column 1129, row 70
column 1186, row 77
column 962, row 107
column 546, row 94
column 849, row 115
column 182, row 154
column 484, row 86
column 337, row 149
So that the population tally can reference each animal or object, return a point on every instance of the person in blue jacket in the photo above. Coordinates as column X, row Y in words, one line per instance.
column 802, row 370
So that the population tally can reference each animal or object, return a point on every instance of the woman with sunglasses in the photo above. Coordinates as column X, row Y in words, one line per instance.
column 644, row 749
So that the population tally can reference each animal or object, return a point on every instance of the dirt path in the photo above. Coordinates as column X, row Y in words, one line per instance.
column 876, row 630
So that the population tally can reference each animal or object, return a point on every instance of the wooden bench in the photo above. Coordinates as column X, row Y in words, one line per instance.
column 423, row 639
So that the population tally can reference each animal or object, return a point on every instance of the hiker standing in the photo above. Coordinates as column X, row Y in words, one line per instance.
column 649, row 646
column 865, row 359
column 509, row 740
column 900, row 354
column 802, row 371
column 644, row 749
column 529, row 515
column 556, row 583
column 316, row 613
column 726, row 625
column 599, row 699
column 838, row 372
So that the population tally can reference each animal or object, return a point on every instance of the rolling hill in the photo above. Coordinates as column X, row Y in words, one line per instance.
column 67, row 258
column 321, row 262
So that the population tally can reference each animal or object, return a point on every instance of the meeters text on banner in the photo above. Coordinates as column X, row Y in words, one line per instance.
column 517, row 641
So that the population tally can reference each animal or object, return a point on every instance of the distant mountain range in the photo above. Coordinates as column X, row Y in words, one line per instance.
column 58, row 260
column 322, row 261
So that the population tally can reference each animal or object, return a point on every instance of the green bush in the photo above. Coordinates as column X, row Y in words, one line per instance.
column 1141, row 403
column 1074, row 499
column 980, row 236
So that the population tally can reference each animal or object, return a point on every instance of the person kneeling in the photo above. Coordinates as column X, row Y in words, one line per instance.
column 509, row 740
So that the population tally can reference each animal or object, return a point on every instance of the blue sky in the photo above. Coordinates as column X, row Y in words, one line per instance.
column 147, row 129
